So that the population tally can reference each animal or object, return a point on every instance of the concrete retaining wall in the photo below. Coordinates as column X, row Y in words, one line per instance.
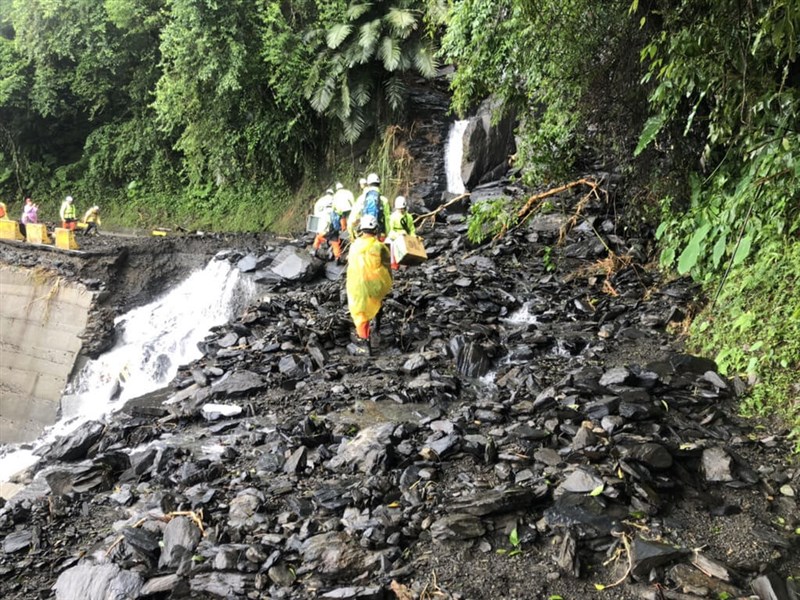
column 41, row 319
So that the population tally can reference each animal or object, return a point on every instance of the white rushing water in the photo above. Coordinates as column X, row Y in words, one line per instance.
column 153, row 341
column 453, row 153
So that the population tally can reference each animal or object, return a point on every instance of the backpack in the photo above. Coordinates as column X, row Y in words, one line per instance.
column 373, row 206
column 336, row 221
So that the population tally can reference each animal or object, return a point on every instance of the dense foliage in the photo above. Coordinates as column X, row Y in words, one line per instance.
column 216, row 114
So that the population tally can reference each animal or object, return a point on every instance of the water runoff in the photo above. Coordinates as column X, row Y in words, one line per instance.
column 152, row 342
column 453, row 153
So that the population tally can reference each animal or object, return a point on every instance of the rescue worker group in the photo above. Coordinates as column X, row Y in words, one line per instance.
column 29, row 229
column 381, row 239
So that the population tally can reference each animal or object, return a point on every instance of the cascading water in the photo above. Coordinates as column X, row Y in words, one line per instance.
column 153, row 341
column 453, row 153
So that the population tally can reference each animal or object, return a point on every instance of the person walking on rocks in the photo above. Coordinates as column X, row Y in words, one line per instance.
column 371, row 202
column 368, row 282
column 342, row 205
column 328, row 226
column 68, row 214
column 401, row 222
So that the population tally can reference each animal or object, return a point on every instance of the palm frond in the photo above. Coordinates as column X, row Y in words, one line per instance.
column 401, row 21
column 321, row 97
column 425, row 61
column 369, row 34
column 395, row 89
column 356, row 10
column 344, row 99
column 361, row 93
column 353, row 126
column 337, row 34
column 389, row 52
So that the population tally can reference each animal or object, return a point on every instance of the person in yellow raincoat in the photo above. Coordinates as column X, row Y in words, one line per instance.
column 90, row 221
column 368, row 281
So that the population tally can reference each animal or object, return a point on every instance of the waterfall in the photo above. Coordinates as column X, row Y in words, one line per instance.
column 152, row 342
column 453, row 153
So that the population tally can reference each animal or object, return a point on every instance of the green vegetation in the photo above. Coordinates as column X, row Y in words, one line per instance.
column 233, row 115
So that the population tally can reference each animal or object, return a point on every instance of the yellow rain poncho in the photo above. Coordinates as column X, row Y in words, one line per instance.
column 368, row 280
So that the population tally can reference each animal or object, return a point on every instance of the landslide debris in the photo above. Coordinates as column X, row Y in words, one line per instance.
column 527, row 427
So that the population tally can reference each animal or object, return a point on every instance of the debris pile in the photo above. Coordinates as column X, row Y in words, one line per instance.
column 527, row 427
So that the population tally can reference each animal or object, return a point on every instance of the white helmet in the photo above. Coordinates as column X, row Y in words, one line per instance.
column 368, row 223
column 362, row 182
column 95, row 208
column 69, row 198
column 400, row 202
column 373, row 179
column 338, row 186
column 329, row 191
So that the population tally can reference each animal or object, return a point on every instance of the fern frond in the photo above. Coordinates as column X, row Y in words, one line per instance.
column 389, row 52
column 337, row 34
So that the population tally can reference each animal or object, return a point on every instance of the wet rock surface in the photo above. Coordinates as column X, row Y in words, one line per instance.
column 527, row 427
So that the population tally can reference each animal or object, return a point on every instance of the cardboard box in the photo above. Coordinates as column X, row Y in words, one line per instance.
column 312, row 223
column 408, row 250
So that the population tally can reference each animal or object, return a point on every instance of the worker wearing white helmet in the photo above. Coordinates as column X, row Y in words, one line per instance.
column 326, row 231
column 371, row 202
column 91, row 220
column 368, row 282
column 68, row 214
column 401, row 222
column 342, row 204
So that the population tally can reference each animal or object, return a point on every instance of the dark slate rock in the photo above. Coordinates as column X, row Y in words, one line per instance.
column 772, row 587
column 588, row 516
column 75, row 445
column 367, row 452
column 646, row 555
column 457, row 527
column 237, row 383
column 97, row 582
column 222, row 585
column 651, row 454
column 18, row 540
column 181, row 537
column 294, row 264
column 494, row 501
column 717, row 464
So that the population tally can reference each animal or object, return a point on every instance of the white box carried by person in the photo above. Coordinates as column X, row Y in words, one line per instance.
column 409, row 250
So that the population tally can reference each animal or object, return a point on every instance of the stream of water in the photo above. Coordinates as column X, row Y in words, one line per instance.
column 453, row 153
column 153, row 341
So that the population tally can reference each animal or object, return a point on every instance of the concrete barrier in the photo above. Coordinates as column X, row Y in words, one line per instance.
column 65, row 239
column 41, row 320
column 9, row 230
column 36, row 233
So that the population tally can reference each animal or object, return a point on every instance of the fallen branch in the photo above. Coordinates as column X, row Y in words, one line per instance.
column 523, row 212
column 421, row 218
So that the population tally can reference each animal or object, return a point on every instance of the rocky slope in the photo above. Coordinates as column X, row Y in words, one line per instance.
column 527, row 428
